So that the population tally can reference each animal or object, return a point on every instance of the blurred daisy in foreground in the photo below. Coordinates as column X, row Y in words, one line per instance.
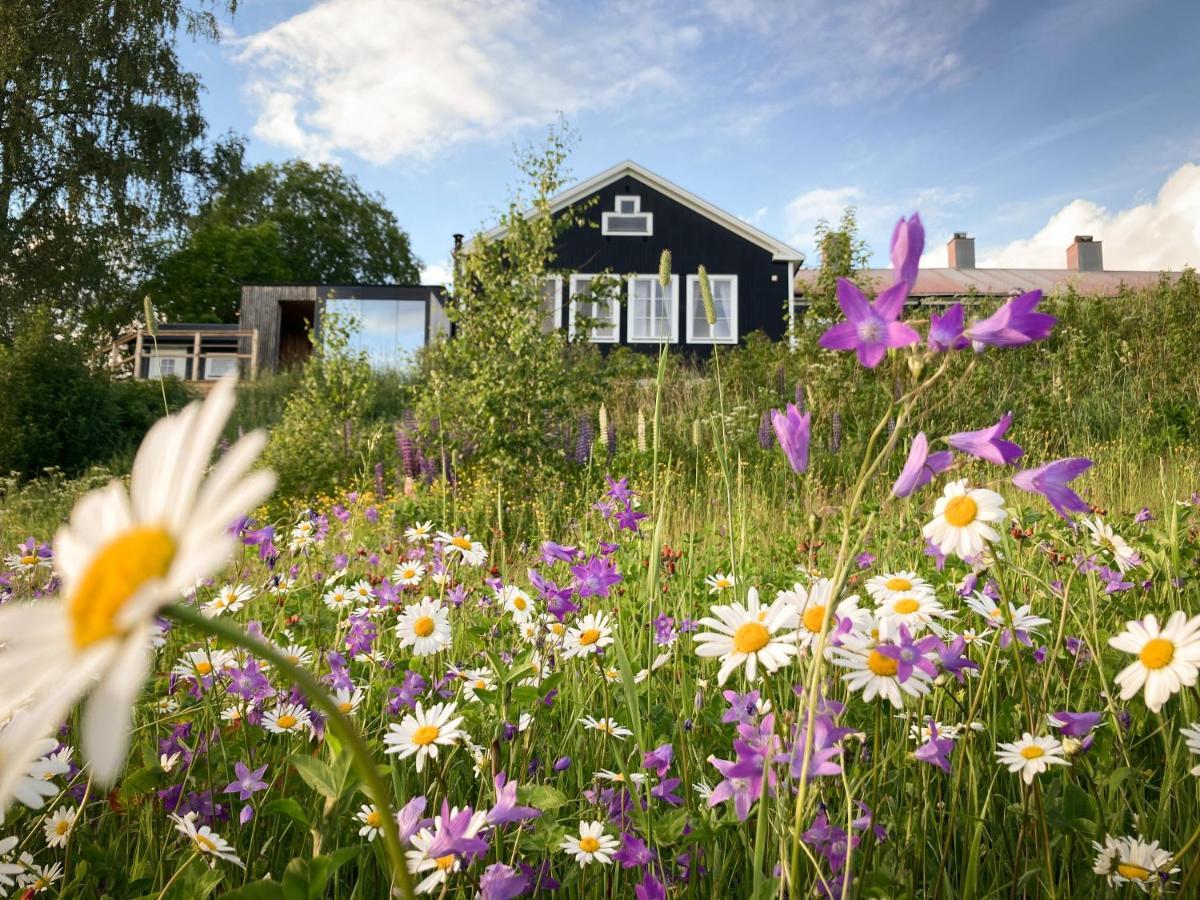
column 1031, row 756
column 1167, row 658
column 121, row 557
column 1130, row 860
column 963, row 518
column 749, row 635
column 205, row 841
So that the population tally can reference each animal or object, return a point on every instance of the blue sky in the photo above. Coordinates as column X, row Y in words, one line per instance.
column 1023, row 123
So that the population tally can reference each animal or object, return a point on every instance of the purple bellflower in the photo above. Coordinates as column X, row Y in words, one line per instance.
column 936, row 750
column 921, row 466
column 793, row 431
column 1051, row 481
column 908, row 242
column 501, row 882
column 249, row 781
column 870, row 329
column 946, row 330
column 1013, row 324
column 506, row 809
column 988, row 443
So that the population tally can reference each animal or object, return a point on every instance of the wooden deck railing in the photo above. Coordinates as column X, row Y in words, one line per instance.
column 128, row 350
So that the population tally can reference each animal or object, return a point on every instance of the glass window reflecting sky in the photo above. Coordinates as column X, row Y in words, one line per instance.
column 390, row 331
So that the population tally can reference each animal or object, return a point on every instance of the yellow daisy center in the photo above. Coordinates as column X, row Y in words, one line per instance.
column 906, row 605
column 205, row 844
column 751, row 637
column 589, row 844
column 28, row 559
column 346, row 706
column 461, row 543
column 883, row 666
column 116, row 573
column 1033, row 751
column 960, row 511
column 62, row 827
column 425, row 735
column 1133, row 872
column 204, row 667
column 724, row 583
column 557, row 627
column 896, row 583
column 813, row 617
column 445, row 862
column 374, row 819
column 589, row 637
column 410, row 573
column 423, row 627
column 286, row 721
column 519, row 603
column 1157, row 653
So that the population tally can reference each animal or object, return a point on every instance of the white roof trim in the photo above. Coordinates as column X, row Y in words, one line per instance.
column 780, row 251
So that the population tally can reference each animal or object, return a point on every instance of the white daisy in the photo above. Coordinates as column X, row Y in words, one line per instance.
column 1031, row 756
column 1105, row 538
column 205, row 840
column 1167, row 658
column 1014, row 620
column 1130, row 860
column 418, row 533
column 516, row 602
column 297, row 654
column 198, row 664
column 287, row 718
column 963, row 519
column 891, row 585
column 339, row 598
column 478, row 680
column 58, row 826
column 348, row 699
column 422, row 732
column 718, row 583
column 592, row 844
column 8, row 869
column 304, row 535
column 749, row 635
column 419, row 860
column 408, row 573
column 120, row 558
column 589, row 634
column 229, row 599
column 1192, row 737
column 606, row 726
column 371, row 820
column 619, row 778
column 471, row 552
column 424, row 626
column 915, row 611
column 876, row 674
column 361, row 591
column 808, row 605
column 38, row 878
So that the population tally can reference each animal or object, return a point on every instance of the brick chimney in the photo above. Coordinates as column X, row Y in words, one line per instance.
column 960, row 250
column 1085, row 254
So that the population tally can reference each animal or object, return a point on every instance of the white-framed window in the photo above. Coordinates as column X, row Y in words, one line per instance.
column 653, row 312
column 550, row 308
column 725, row 303
column 603, row 313
column 626, row 218
column 219, row 366
column 168, row 365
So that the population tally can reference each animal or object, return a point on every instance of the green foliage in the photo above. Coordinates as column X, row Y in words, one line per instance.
column 55, row 412
column 103, row 149
column 291, row 222
column 843, row 252
column 505, row 384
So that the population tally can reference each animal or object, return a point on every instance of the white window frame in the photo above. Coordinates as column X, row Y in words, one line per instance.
column 673, row 302
column 154, row 367
column 648, row 231
column 209, row 358
column 614, row 304
column 695, row 302
column 558, row 302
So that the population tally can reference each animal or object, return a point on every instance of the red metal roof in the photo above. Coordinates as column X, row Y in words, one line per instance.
column 1001, row 282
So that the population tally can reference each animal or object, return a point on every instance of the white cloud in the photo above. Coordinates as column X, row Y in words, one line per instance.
column 383, row 79
column 438, row 273
column 804, row 212
column 1161, row 234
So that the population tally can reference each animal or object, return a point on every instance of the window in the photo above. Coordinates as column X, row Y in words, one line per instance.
column 218, row 366
column 627, row 219
column 653, row 313
column 598, row 305
column 724, row 295
column 388, row 332
column 550, row 309
column 164, row 366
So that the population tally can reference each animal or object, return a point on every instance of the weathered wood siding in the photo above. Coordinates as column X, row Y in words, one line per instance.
column 260, row 309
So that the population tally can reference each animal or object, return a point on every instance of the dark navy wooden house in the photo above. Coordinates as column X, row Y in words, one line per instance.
column 635, row 217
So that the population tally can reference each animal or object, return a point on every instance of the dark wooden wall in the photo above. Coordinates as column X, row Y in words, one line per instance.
column 260, row 309
column 693, row 240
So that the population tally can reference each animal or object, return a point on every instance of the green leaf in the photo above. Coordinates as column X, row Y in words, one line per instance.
column 317, row 774
column 542, row 796
column 305, row 879
column 257, row 890
column 286, row 806
column 137, row 783
column 545, row 838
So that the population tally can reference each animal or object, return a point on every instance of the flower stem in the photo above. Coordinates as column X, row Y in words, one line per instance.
column 320, row 698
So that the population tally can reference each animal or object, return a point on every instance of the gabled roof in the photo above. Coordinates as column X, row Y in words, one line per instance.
column 780, row 251
column 1004, row 282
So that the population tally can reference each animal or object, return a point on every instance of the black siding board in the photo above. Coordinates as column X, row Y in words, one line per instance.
column 693, row 240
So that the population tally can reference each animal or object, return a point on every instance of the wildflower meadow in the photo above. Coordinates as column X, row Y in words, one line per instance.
column 956, row 665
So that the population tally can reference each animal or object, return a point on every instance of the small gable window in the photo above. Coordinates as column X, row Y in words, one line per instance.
column 626, row 219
